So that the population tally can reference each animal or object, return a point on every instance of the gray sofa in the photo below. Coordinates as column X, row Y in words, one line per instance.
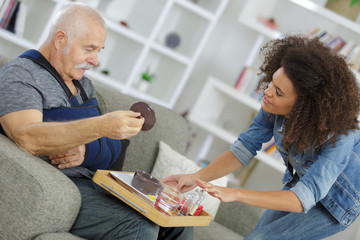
column 39, row 202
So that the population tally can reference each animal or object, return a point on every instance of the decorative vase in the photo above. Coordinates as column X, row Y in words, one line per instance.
column 143, row 85
column 343, row 8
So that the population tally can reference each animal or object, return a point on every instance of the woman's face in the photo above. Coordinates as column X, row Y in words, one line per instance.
column 280, row 96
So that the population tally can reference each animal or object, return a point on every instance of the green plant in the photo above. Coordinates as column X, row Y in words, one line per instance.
column 147, row 77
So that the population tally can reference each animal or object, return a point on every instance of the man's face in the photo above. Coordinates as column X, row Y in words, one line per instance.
column 83, row 52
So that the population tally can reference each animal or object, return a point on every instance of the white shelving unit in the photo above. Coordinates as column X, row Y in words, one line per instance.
column 140, row 47
column 224, row 112
column 296, row 16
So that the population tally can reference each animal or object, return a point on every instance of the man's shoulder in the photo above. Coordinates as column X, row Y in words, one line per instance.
column 20, row 64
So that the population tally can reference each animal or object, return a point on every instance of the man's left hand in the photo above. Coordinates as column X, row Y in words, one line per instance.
column 71, row 158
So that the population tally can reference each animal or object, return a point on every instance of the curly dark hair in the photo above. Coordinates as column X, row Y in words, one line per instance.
column 328, row 96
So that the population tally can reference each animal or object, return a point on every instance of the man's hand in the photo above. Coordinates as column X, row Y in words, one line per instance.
column 121, row 124
column 71, row 158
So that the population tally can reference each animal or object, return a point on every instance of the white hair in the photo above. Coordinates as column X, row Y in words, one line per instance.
column 73, row 19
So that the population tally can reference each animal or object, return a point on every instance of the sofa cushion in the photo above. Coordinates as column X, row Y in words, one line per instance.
column 171, row 162
column 238, row 217
column 215, row 231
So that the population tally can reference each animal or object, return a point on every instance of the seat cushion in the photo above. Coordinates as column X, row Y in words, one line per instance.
column 215, row 231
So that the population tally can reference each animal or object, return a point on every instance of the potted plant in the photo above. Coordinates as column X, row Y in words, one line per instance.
column 146, row 79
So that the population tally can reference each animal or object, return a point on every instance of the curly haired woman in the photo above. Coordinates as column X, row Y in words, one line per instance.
column 310, row 106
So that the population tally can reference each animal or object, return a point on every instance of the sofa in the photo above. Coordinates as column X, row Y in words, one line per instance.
column 40, row 202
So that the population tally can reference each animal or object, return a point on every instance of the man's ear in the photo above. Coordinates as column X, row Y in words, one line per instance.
column 60, row 39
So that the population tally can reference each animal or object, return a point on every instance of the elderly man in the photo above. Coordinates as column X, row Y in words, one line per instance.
column 48, row 108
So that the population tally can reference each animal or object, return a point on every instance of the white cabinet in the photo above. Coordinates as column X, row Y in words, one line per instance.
column 138, row 47
column 225, row 112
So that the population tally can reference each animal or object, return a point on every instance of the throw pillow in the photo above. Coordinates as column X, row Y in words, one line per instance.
column 169, row 162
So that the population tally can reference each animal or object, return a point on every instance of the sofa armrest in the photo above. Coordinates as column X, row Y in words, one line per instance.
column 35, row 197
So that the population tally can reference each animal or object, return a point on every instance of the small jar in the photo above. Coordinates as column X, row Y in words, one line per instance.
column 168, row 200
column 191, row 203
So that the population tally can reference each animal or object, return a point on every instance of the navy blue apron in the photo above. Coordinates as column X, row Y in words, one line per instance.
column 101, row 153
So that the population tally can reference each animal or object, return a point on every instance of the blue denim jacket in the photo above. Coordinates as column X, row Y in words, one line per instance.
column 331, row 177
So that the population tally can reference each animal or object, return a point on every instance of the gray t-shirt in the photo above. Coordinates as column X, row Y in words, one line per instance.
column 26, row 85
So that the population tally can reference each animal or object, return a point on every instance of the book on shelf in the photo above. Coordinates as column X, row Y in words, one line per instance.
column 347, row 48
column 270, row 149
column 21, row 19
column 350, row 50
column 336, row 43
column 8, row 14
column 247, row 80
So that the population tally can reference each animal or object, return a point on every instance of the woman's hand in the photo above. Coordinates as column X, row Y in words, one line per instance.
column 182, row 182
column 224, row 194
column 71, row 158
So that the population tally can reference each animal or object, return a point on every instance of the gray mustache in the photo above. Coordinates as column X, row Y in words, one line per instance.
column 85, row 66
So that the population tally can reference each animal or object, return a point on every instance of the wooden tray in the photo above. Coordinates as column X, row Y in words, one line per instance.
column 104, row 179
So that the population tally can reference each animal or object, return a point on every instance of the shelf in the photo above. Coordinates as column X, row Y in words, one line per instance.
column 166, row 71
column 170, row 53
column 328, row 14
column 224, row 112
column 119, row 56
column 204, row 13
column 135, row 43
column 127, row 32
column 38, row 13
column 135, row 13
column 210, row 6
column 187, row 26
column 99, row 77
column 228, row 90
column 14, row 39
column 295, row 16
column 271, row 162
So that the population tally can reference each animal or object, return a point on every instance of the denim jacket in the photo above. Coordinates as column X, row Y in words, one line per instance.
column 331, row 177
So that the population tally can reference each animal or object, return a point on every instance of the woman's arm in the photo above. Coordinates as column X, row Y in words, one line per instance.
column 284, row 200
column 224, row 164
column 221, row 166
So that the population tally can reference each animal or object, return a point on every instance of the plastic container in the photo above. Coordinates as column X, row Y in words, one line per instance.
column 168, row 200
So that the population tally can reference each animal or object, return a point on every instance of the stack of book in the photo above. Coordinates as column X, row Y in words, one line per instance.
column 270, row 149
column 350, row 50
column 9, row 11
column 247, row 82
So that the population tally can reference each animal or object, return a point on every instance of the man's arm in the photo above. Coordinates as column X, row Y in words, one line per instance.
column 27, row 130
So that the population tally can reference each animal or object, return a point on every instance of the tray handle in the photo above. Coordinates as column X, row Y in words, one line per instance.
column 123, row 198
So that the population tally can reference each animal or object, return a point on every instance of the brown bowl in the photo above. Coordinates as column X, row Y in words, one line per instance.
column 147, row 112
column 146, row 183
